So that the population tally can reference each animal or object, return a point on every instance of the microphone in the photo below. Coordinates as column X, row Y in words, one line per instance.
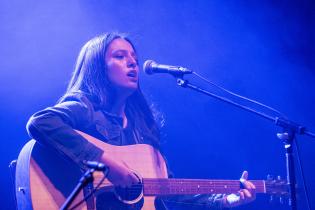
column 96, row 165
column 151, row 67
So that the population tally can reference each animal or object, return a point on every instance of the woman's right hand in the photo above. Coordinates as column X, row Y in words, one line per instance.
column 119, row 174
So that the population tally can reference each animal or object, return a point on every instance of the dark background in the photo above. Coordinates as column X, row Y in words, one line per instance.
column 260, row 49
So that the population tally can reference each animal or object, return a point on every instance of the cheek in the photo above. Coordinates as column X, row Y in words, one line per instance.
column 114, row 73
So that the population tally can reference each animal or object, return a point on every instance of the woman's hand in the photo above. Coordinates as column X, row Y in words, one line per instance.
column 243, row 196
column 119, row 174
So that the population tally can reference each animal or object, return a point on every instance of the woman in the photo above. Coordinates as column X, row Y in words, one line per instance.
column 104, row 100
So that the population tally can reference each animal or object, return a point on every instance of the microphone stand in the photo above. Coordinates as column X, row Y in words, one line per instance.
column 86, row 178
column 290, row 129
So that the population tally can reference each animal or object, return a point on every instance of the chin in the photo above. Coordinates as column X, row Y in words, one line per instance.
column 131, row 88
column 128, row 88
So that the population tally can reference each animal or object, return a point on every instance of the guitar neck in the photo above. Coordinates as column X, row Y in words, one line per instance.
column 153, row 186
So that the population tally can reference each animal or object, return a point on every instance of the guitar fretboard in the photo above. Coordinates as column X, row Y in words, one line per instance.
column 195, row 186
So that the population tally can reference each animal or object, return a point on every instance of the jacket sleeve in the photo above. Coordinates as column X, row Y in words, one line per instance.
column 192, row 202
column 54, row 126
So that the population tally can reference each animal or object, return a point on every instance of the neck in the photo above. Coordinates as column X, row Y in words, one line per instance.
column 117, row 107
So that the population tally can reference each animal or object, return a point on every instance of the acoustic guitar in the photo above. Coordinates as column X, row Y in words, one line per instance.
column 44, row 179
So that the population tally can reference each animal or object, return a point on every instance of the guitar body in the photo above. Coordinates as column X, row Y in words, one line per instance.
column 44, row 179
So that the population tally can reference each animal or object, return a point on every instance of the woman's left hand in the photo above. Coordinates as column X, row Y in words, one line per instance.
column 243, row 196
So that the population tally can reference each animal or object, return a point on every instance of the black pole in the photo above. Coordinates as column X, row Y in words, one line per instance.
column 84, row 181
column 287, row 138
column 291, row 175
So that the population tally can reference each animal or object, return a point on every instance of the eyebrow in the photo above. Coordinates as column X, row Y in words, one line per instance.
column 121, row 50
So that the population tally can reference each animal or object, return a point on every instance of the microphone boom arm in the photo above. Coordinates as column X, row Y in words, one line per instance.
column 280, row 121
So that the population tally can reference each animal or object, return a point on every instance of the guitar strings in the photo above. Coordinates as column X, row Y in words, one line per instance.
column 134, row 190
column 260, row 187
column 136, row 187
column 201, row 182
column 194, row 183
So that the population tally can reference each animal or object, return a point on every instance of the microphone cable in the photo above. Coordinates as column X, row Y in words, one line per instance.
column 239, row 96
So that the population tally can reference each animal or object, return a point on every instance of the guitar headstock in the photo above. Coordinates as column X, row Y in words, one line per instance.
column 277, row 188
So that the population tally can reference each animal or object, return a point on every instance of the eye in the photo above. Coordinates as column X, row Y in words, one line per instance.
column 119, row 56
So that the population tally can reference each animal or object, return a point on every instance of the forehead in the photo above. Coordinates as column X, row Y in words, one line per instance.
column 120, row 44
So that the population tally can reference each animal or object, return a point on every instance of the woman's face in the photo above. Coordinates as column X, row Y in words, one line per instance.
column 122, row 65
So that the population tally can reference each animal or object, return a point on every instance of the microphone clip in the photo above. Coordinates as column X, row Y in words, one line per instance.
column 97, row 166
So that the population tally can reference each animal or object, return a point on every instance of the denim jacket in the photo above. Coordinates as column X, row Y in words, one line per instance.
column 54, row 126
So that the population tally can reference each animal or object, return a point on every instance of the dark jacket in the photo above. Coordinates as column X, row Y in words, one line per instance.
column 54, row 126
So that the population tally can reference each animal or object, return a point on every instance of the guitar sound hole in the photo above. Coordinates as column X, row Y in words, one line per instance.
column 130, row 195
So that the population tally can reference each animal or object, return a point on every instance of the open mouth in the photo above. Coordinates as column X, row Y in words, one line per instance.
column 132, row 74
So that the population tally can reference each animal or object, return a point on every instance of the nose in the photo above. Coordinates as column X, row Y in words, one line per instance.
column 131, row 63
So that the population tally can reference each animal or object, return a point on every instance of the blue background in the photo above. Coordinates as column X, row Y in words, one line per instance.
column 260, row 49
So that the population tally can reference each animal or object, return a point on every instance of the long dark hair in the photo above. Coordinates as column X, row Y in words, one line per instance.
column 90, row 77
